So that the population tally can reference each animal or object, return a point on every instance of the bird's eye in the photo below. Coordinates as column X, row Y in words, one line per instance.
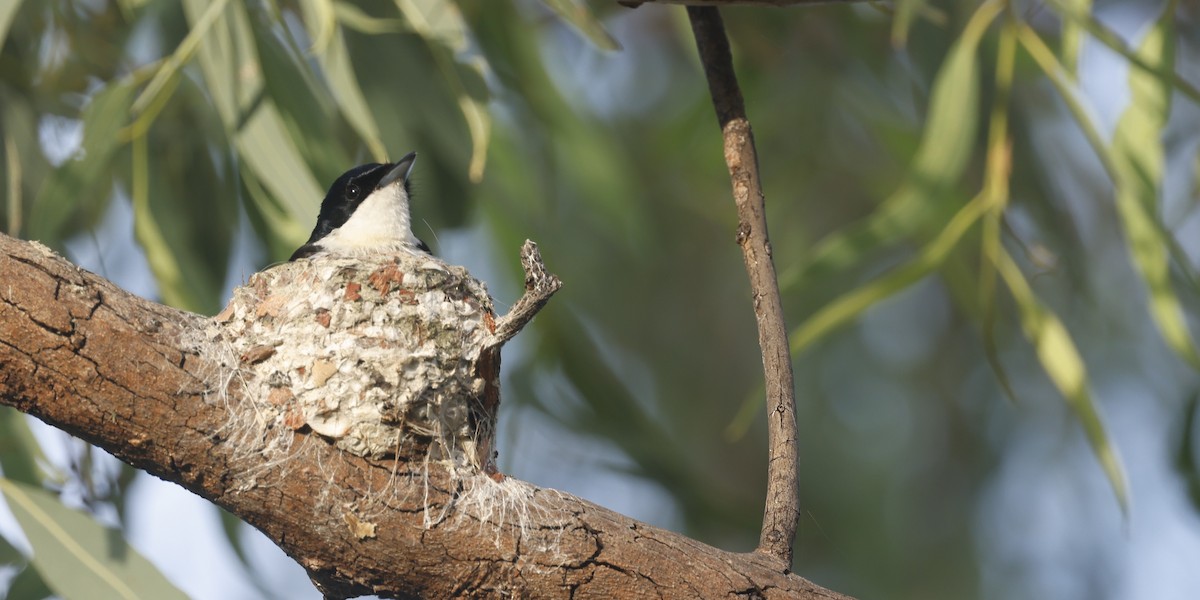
column 352, row 191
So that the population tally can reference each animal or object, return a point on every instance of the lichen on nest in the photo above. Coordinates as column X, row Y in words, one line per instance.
column 370, row 353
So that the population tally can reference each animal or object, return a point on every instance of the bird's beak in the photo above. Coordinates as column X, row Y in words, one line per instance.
column 399, row 171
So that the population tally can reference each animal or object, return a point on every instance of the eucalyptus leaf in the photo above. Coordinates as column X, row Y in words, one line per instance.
column 1138, row 159
column 439, row 21
column 282, row 191
column 1134, row 162
column 1073, row 33
column 1059, row 356
column 13, row 201
column 226, row 57
column 475, row 111
column 330, row 48
column 1077, row 16
column 945, row 149
column 354, row 18
column 76, row 193
column 281, row 232
column 305, row 107
column 8, row 10
column 266, row 148
column 20, row 453
column 78, row 557
column 185, row 211
column 28, row 585
column 441, row 24
column 902, row 20
column 320, row 17
column 154, row 95
column 8, row 554
column 851, row 304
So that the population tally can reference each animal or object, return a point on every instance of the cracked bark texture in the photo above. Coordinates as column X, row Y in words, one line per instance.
column 84, row 356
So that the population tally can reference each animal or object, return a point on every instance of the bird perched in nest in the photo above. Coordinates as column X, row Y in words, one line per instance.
column 366, row 211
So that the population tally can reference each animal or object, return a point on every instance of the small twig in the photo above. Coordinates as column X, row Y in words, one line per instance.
column 539, row 286
column 781, row 513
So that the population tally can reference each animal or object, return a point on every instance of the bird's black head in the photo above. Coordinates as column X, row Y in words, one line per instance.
column 349, row 191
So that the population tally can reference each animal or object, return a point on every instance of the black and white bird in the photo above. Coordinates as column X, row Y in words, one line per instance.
column 366, row 212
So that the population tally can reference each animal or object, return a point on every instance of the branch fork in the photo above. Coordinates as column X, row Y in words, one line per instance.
column 540, row 285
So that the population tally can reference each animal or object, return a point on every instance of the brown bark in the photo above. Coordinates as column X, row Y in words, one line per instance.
column 86, row 357
column 781, row 513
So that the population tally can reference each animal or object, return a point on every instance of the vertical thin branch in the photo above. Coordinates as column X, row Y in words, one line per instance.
column 782, row 511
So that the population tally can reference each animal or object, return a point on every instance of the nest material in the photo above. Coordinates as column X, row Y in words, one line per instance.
column 369, row 352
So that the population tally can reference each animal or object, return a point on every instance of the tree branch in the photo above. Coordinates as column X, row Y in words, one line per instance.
column 781, row 513
column 540, row 285
column 127, row 375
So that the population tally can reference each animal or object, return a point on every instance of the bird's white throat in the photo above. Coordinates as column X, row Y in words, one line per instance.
column 381, row 223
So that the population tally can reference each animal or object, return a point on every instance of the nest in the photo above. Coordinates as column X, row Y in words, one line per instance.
column 369, row 353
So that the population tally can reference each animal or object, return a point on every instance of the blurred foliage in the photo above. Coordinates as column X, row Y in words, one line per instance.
column 76, row 556
column 950, row 215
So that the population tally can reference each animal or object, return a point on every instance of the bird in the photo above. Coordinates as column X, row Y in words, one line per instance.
column 366, row 211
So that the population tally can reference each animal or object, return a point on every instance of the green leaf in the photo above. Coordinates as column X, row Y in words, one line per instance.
column 187, row 243
column 1137, row 155
column 231, row 527
column 474, row 109
column 28, row 585
column 78, row 557
column 284, row 195
column 20, row 454
column 353, row 17
column 1134, row 162
column 581, row 17
column 437, row 20
column 1073, row 34
column 163, row 262
column 949, row 136
column 151, row 100
column 945, row 148
column 440, row 23
column 227, row 59
column 306, row 107
column 905, row 13
column 334, row 57
column 12, row 175
column 81, row 187
column 1062, row 362
column 8, row 554
column 281, row 232
column 996, row 186
column 1082, row 18
column 320, row 19
column 850, row 305
column 266, row 148
column 8, row 10
column 19, row 122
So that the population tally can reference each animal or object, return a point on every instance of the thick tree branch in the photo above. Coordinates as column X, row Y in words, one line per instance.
column 781, row 513
column 125, row 374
